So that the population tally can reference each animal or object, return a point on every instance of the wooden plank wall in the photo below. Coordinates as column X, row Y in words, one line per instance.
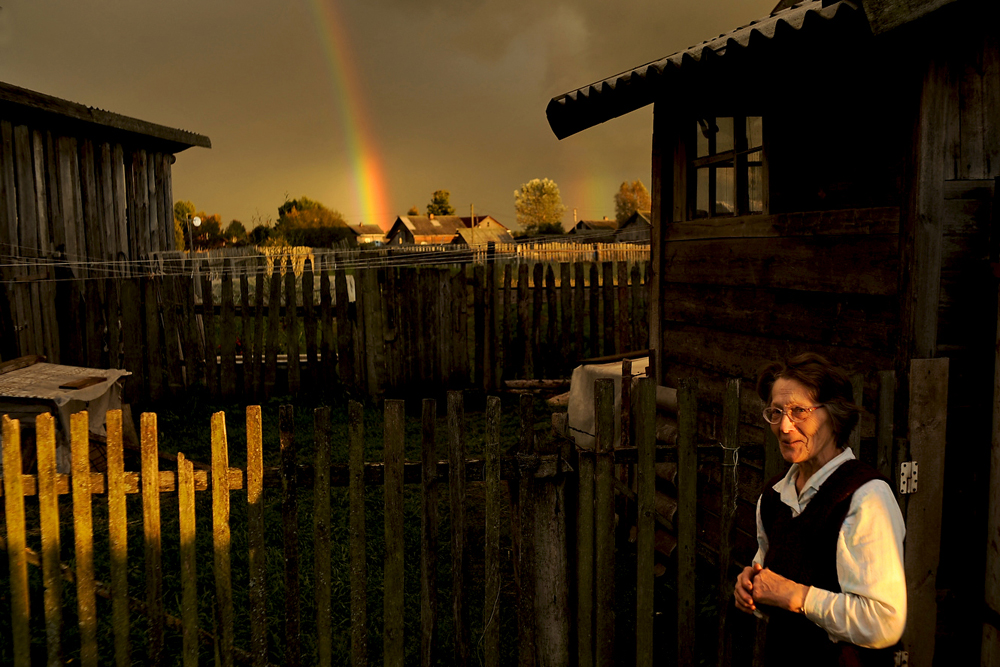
column 738, row 293
column 93, row 204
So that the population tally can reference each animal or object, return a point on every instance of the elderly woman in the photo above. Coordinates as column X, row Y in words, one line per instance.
column 829, row 567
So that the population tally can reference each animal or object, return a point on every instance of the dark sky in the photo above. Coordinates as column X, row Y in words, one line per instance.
column 365, row 105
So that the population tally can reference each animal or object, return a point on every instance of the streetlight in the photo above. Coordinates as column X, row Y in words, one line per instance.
column 196, row 221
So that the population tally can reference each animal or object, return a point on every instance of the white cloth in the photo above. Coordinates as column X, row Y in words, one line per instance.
column 871, row 609
column 581, row 398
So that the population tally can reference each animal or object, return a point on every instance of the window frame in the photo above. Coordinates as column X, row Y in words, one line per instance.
column 736, row 158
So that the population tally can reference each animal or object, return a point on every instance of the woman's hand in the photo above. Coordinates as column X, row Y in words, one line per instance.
column 778, row 591
column 744, row 588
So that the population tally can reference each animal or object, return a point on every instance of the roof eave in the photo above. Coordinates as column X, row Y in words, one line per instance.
column 28, row 101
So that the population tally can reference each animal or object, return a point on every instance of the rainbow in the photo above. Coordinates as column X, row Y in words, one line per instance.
column 370, row 194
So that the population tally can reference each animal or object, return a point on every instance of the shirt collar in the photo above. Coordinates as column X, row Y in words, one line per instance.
column 786, row 485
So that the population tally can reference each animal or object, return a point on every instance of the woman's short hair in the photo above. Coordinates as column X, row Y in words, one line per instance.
column 828, row 385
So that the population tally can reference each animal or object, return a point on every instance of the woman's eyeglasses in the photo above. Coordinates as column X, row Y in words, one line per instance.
column 796, row 414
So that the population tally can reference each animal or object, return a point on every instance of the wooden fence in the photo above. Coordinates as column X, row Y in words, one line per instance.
column 381, row 331
column 563, row 527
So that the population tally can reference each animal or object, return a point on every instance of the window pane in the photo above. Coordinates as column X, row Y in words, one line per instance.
column 754, row 132
column 755, row 182
column 701, row 200
column 724, row 140
column 700, row 131
column 725, row 195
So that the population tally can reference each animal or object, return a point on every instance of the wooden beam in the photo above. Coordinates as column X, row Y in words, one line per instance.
column 927, row 422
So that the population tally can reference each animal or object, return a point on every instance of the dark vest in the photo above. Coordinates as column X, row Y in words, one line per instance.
column 804, row 549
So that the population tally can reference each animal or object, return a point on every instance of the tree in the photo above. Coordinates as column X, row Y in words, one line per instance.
column 305, row 222
column 183, row 212
column 632, row 196
column 235, row 232
column 209, row 233
column 439, row 204
column 539, row 207
column 413, row 211
column 259, row 234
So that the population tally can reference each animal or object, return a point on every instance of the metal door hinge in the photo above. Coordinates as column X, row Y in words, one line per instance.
column 902, row 659
column 908, row 477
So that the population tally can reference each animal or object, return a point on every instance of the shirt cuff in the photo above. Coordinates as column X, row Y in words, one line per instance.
column 810, row 603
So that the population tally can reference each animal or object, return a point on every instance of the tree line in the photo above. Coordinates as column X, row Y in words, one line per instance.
column 306, row 222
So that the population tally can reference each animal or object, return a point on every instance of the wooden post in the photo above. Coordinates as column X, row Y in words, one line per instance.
column 309, row 325
column 273, row 328
column 885, row 421
column 727, row 510
column 604, row 522
column 566, row 355
column 328, row 344
column 991, row 633
column 491, row 480
column 428, row 536
column 359, row 568
column 20, row 610
column 595, row 305
column 255, row 536
column 208, row 318
column 290, row 533
column 526, row 635
column 624, row 312
column 479, row 297
column 292, row 331
column 321, row 532
column 247, row 335
column 48, row 509
column 188, row 555
column 927, row 422
column 221, row 536
column 585, row 560
column 394, row 548
column 258, row 332
column 118, row 537
column 524, row 321
column 535, row 332
column 608, row 291
column 645, row 436
column 550, row 347
column 579, row 290
column 227, row 333
column 687, row 529
column 345, row 332
column 456, row 501
column 152, row 548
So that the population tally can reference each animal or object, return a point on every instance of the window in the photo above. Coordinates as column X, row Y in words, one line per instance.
column 728, row 169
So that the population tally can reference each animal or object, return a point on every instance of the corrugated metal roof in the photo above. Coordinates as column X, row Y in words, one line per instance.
column 625, row 92
column 22, row 101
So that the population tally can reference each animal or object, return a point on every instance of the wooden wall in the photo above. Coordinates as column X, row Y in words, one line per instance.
column 881, row 163
column 95, row 206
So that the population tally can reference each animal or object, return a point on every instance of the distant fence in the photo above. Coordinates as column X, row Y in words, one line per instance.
column 380, row 330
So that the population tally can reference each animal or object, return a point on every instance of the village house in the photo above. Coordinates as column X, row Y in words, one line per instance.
column 593, row 230
column 825, row 179
column 423, row 230
column 368, row 233
column 636, row 228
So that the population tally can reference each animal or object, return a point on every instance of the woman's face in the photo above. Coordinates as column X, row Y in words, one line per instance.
column 809, row 441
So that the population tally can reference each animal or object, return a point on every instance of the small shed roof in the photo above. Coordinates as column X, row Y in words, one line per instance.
column 23, row 105
column 483, row 235
column 420, row 225
column 623, row 93
column 361, row 229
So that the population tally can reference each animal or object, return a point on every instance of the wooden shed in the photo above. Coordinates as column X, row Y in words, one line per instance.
column 84, row 193
column 824, row 179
